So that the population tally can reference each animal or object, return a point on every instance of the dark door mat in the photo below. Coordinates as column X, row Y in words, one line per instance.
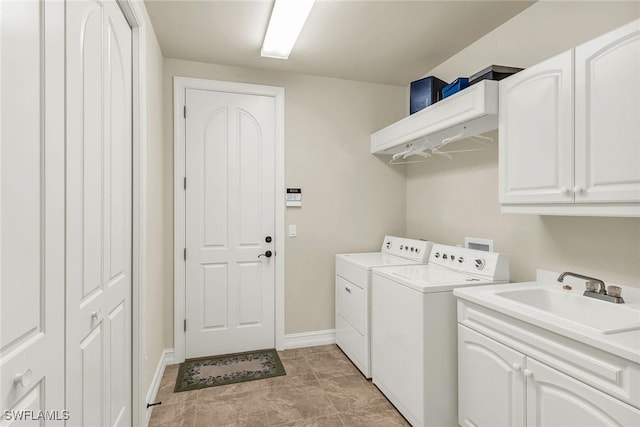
column 228, row 369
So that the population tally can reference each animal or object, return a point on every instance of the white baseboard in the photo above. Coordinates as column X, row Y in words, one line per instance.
column 165, row 359
column 309, row 339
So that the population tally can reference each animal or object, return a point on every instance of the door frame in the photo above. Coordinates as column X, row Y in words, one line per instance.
column 180, row 85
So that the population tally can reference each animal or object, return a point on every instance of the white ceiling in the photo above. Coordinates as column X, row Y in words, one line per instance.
column 391, row 42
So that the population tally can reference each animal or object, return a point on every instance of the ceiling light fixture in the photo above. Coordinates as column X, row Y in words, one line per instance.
column 287, row 19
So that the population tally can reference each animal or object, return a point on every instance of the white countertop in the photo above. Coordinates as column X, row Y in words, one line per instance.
column 624, row 344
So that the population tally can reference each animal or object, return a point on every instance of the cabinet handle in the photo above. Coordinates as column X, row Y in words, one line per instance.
column 528, row 373
column 24, row 379
column 348, row 289
column 564, row 190
column 95, row 315
column 577, row 189
column 516, row 367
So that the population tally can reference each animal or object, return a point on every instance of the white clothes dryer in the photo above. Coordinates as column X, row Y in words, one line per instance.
column 353, row 293
column 414, row 335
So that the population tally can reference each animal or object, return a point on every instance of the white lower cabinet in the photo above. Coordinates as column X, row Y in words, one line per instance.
column 556, row 399
column 499, row 386
column 491, row 388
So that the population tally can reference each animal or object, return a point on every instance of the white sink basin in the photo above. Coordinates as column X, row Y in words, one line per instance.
column 604, row 317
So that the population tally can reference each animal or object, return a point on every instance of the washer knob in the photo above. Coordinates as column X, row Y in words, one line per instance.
column 460, row 259
column 401, row 247
column 437, row 255
column 479, row 263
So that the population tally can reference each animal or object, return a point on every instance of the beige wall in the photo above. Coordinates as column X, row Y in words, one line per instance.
column 350, row 198
column 155, row 245
column 541, row 31
column 450, row 199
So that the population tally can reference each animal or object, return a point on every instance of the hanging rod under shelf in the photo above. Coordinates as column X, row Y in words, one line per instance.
column 476, row 107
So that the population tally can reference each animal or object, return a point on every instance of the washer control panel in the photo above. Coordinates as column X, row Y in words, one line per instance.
column 413, row 249
column 491, row 265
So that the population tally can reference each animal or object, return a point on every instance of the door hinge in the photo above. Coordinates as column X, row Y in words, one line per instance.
column 185, row 325
column 184, row 111
column 184, row 254
column 185, row 182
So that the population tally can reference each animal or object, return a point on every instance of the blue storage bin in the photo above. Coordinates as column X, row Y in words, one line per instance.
column 455, row 86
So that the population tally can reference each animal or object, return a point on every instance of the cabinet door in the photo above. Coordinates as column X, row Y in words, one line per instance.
column 536, row 133
column 555, row 399
column 607, row 143
column 490, row 382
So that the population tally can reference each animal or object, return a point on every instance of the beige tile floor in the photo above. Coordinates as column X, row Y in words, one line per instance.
column 321, row 388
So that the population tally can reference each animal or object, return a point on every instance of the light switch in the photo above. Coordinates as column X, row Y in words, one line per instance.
column 292, row 230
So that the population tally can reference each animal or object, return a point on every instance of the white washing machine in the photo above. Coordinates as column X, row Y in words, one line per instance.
column 414, row 336
column 353, row 293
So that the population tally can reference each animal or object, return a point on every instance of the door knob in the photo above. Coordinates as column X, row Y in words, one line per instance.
column 24, row 379
column 528, row 373
column 577, row 189
column 266, row 254
column 95, row 315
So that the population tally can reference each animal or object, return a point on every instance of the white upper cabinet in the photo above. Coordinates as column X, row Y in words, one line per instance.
column 607, row 117
column 570, row 131
column 536, row 133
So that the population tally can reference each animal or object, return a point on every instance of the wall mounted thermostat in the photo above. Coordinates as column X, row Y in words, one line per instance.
column 294, row 197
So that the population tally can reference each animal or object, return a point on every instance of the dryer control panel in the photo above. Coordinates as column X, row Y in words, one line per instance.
column 417, row 250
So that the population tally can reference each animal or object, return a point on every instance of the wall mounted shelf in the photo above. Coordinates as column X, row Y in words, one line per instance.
column 472, row 111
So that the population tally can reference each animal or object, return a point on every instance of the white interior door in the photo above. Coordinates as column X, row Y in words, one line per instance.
column 230, row 159
column 32, row 208
column 99, row 146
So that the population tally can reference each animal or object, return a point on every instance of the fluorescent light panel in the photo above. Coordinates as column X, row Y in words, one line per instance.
column 287, row 19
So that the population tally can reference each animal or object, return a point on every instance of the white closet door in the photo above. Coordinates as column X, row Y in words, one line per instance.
column 98, row 214
column 32, row 207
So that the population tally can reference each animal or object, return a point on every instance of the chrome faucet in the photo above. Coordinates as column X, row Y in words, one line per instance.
column 592, row 284
column 603, row 288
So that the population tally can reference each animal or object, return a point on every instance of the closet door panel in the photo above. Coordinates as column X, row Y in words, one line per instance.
column 32, row 206
column 99, row 146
